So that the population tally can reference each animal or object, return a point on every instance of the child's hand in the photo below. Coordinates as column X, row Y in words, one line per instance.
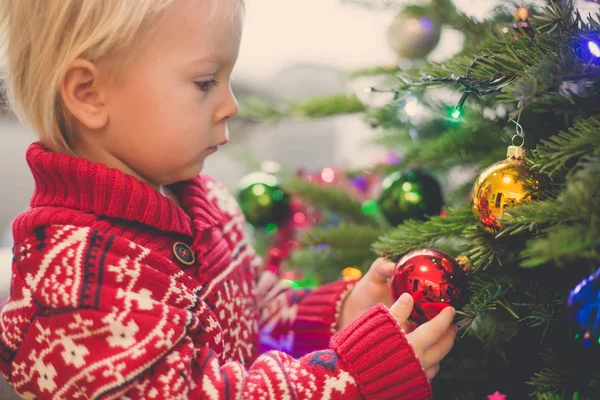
column 371, row 290
column 431, row 341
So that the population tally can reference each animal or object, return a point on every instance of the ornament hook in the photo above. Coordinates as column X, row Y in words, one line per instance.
column 520, row 132
column 522, row 141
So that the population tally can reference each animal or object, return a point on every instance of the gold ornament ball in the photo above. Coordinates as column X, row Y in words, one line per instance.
column 503, row 185
column 412, row 36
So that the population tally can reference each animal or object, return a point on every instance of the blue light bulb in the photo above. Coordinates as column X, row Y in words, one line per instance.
column 594, row 48
column 426, row 23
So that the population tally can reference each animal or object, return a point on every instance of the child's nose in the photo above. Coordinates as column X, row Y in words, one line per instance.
column 229, row 109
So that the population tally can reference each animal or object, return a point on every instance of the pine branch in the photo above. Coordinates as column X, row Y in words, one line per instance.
column 581, row 140
column 393, row 138
column 555, row 374
column 578, row 202
column 386, row 117
column 259, row 109
column 328, row 263
column 328, row 251
column 346, row 236
column 545, row 308
column 412, row 235
column 318, row 107
column 520, row 67
column 328, row 106
column 569, row 225
column 475, row 31
column 570, row 98
column 397, row 132
column 377, row 70
column 482, row 251
column 331, row 198
column 486, row 295
column 563, row 245
column 566, row 368
column 530, row 216
column 494, row 332
column 467, row 143
column 553, row 396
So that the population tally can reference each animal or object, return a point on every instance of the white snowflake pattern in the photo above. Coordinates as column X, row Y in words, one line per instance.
column 241, row 324
column 25, row 252
column 122, row 335
column 225, row 200
column 74, row 354
column 47, row 375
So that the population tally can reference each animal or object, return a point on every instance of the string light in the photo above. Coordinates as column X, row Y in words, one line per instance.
column 413, row 107
column 369, row 208
column 594, row 48
column 271, row 228
column 328, row 175
column 456, row 113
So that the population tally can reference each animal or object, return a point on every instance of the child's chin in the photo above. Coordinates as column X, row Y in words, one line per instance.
column 193, row 171
column 188, row 174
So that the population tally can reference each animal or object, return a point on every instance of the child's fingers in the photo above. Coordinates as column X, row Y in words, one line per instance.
column 408, row 327
column 265, row 283
column 380, row 271
column 432, row 371
column 402, row 308
column 430, row 332
column 434, row 354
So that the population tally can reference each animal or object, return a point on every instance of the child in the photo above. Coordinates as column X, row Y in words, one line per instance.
column 131, row 274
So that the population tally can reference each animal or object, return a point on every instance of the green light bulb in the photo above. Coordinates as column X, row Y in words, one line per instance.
column 271, row 228
column 369, row 208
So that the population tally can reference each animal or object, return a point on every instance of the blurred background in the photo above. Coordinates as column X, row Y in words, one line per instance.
column 290, row 50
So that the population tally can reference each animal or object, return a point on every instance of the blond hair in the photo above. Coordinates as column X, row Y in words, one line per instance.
column 39, row 39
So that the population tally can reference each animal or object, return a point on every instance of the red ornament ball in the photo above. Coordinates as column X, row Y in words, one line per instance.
column 433, row 278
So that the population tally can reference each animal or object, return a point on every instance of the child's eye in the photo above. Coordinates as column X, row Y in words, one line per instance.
column 207, row 85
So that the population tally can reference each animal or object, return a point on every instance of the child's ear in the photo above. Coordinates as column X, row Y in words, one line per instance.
column 82, row 94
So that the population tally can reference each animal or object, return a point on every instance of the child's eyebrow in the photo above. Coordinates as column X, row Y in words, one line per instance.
column 207, row 59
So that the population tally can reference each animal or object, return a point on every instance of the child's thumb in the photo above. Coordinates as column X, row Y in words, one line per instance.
column 402, row 308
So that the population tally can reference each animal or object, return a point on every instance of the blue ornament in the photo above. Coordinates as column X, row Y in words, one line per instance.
column 583, row 309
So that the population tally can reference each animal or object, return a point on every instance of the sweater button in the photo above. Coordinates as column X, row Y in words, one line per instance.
column 183, row 254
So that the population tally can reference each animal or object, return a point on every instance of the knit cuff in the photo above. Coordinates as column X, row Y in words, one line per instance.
column 379, row 357
column 317, row 316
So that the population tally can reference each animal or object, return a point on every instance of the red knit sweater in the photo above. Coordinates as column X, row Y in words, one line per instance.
column 101, row 307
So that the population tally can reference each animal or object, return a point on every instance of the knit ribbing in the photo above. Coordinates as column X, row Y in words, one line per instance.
column 75, row 183
column 380, row 358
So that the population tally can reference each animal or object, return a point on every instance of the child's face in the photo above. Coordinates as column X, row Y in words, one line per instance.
column 170, row 110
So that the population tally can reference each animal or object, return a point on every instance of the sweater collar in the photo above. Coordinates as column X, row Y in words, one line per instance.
column 76, row 183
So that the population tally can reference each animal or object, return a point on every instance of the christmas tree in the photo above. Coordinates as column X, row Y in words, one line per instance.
column 523, row 228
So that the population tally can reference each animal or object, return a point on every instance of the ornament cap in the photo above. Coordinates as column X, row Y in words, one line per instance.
column 515, row 153
column 465, row 263
column 522, row 14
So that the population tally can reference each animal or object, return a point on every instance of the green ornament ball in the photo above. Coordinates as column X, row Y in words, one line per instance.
column 410, row 194
column 262, row 200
